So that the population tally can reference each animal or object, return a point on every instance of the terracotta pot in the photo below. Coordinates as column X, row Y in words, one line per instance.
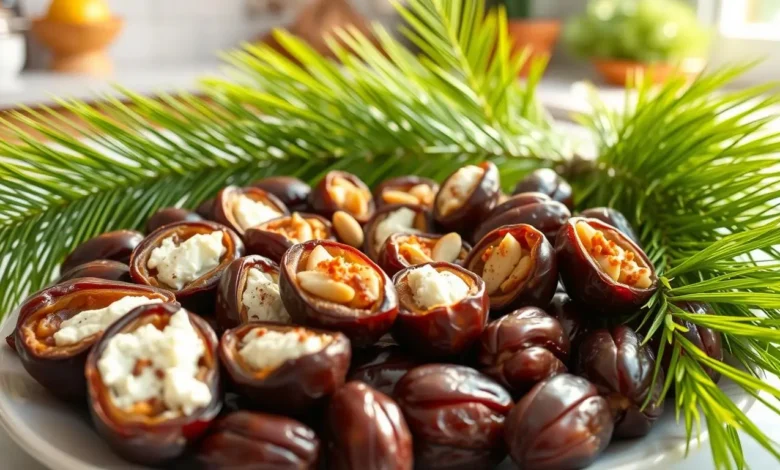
column 539, row 35
column 78, row 48
column 617, row 72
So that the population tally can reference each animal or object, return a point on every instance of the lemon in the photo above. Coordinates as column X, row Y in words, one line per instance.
column 78, row 11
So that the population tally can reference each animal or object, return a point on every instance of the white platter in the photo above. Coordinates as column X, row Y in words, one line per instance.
column 62, row 438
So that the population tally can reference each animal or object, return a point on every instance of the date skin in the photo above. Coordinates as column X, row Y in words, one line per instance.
column 381, row 366
column 367, row 431
column 230, row 310
column 547, row 181
column 542, row 213
column 322, row 203
column 456, row 415
column 293, row 192
column 476, row 206
column 100, row 269
column 116, row 246
column 391, row 260
column 573, row 320
column 272, row 245
column 612, row 217
column 170, row 215
column 561, row 424
column 523, row 348
column 622, row 370
column 245, row 440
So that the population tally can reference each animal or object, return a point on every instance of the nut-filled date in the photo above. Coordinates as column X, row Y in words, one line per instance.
column 342, row 191
column 534, row 209
column 612, row 217
column 466, row 196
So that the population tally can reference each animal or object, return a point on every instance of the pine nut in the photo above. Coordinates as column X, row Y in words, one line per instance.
column 501, row 263
column 447, row 248
column 355, row 202
column 521, row 271
column 302, row 229
column 413, row 254
column 423, row 194
column 399, row 197
column 317, row 255
column 370, row 282
column 324, row 287
column 348, row 229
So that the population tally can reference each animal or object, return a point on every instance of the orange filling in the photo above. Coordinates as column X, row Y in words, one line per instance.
column 618, row 263
column 298, row 229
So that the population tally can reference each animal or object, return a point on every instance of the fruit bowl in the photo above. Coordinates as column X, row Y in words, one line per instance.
column 78, row 48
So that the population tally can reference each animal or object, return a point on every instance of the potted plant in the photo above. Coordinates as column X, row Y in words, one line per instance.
column 537, row 34
column 659, row 37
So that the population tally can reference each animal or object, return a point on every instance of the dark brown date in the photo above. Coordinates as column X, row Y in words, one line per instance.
column 704, row 338
column 100, row 269
column 622, row 369
column 366, row 430
column 561, row 424
column 534, row 209
column 271, row 239
column 547, row 181
column 523, row 348
column 364, row 317
column 342, row 191
column 227, row 209
column 198, row 295
column 146, row 433
column 60, row 368
column 406, row 190
column 293, row 192
column 381, row 366
column 441, row 330
column 569, row 314
column 603, row 269
column 376, row 231
column 612, row 217
column 206, row 209
column 518, row 266
column 458, row 212
column 292, row 386
column 245, row 440
column 402, row 250
column 115, row 246
column 456, row 415
column 231, row 310
column 169, row 215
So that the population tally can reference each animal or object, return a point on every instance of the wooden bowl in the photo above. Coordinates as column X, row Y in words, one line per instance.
column 539, row 36
column 78, row 48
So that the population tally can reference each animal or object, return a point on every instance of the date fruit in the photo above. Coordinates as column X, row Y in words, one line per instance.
column 170, row 215
column 561, row 424
column 523, row 348
column 402, row 250
column 466, row 196
column 534, row 209
column 284, row 369
column 612, row 217
column 293, row 192
column 243, row 208
column 100, row 269
column 115, row 246
column 518, row 266
column 366, row 430
column 547, row 181
column 615, row 361
column 444, row 325
column 602, row 268
column 456, row 415
column 390, row 219
column 406, row 190
column 568, row 313
column 342, row 191
column 271, row 239
column 704, row 338
column 381, row 366
column 325, row 284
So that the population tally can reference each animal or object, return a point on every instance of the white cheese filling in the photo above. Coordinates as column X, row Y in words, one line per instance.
column 431, row 287
column 88, row 322
column 249, row 212
column 170, row 364
column 459, row 186
column 261, row 298
column 262, row 348
column 178, row 265
column 401, row 220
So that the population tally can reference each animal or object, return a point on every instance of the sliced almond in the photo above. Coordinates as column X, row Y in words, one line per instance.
column 320, row 285
column 348, row 229
column 521, row 271
column 399, row 197
column 423, row 193
column 317, row 255
column 414, row 254
column 501, row 263
column 338, row 194
column 301, row 228
column 610, row 265
column 355, row 202
column 447, row 248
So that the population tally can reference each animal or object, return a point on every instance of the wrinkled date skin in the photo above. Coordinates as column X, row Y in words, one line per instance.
column 539, row 285
column 115, row 246
column 391, row 260
column 534, row 209
column 622, row 371
column 561, row 424
column 271, row 244
column 293, row 192
column 612, row 217
column 423, row 223
column 296, row 385
column 547, row 181
column 151, row 440
column 245, row 440
column 367, row 431
column 381, row 366
column 588, row 284
column 473, row 210
column 199, row 295
column 322, row 203
column 225, row 202
column 702, row 337
column 100, row 269
column 362, row 326
column 569, row 314
column 403, row 184
column 60, row 369
column 230, row 309
column 523, row 348
column 170, row 215
column 443, row 330
column 456, row 415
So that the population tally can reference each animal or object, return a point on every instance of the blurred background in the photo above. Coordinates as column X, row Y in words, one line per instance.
column 76, row 48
